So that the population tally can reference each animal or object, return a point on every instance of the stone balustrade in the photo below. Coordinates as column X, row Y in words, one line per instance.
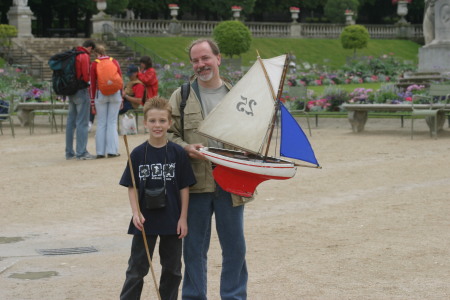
column 260, row 29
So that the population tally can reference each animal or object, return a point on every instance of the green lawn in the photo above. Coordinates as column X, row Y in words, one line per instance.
column 328, row 52
column 318, row 90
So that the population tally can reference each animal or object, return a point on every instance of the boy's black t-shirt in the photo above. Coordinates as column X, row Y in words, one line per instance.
column 173, row 162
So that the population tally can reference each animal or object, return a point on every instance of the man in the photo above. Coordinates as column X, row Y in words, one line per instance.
column 79, row 107
column 206, row 197
column 133, row 92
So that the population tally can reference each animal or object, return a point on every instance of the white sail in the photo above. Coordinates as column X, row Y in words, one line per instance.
column 242, row 118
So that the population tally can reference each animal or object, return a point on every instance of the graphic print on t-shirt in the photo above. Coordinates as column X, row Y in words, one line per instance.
column 169, row 170
column 155, row 171
column 144, row 171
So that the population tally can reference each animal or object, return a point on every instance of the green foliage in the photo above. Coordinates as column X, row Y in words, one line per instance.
column 233, row 37
column 354, row 37
column 116, row 6
column 336, row 96
column 334, row 9
column 386, row 92
column 6, row 33
column 386, row 65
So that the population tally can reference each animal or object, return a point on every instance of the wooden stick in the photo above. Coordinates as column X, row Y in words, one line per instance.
column 144, row 236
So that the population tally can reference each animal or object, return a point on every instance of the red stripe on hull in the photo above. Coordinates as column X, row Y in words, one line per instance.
column 240, row 182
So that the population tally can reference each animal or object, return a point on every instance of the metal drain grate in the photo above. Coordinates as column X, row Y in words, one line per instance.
column 67, row 251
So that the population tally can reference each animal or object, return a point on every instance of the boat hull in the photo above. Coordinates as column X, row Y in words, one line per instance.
column 240, row 174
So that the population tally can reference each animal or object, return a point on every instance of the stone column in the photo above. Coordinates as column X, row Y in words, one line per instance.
column 20, row 16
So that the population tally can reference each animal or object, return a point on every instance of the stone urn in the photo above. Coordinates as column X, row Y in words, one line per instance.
column 294, row 13
column 236, row 12
column 101, row 6
column 349, row 17
column 402, row 11
column 174, row 10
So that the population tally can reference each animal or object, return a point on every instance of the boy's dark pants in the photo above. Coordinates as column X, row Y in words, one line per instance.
column 170, row 247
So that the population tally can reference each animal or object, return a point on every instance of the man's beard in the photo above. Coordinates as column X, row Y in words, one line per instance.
column 205, row 77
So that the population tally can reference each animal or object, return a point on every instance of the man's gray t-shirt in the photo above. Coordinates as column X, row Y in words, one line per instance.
column 210, row 98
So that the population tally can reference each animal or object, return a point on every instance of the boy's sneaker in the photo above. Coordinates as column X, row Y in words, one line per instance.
column 87, row 156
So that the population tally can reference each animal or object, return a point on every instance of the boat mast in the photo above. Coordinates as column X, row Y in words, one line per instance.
column 277, row 105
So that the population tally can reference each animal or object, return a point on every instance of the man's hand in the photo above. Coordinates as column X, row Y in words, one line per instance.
column 192, row 150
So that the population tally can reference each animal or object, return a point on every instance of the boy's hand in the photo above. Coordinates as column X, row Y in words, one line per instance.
column 138, row 221
column 182, row 228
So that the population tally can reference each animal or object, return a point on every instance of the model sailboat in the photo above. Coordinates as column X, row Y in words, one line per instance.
column 245, row 119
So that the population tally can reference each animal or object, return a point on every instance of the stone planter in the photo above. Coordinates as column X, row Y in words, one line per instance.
column 349, row 18
column 294, row 14
column 402, row 11
column 236, row 12
column 174, row 11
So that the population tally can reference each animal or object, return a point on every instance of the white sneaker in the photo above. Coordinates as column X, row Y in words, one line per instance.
column 90, row 126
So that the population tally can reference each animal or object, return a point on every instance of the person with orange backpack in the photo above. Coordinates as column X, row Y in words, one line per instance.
column 147, row 75
column 106, row 87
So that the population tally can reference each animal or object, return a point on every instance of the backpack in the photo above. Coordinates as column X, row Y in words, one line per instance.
column 64, row 78
column 109, row 80
column 185, row 90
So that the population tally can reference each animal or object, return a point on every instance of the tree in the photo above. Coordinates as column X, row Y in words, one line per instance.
column 335, row 9
column 6, row 33
column 354, row 37
column 233, row 37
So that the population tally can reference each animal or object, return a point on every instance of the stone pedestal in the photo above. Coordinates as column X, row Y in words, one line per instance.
column 99, row 21
column 404, row 31
column 174, row 28
column 296, row 30
column 20, row 17
column 435, row 56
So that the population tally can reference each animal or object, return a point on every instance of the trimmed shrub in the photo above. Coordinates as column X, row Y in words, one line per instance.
column 354, row 37
column 233, row 37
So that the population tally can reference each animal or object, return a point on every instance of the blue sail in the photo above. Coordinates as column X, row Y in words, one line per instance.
column 294, row 143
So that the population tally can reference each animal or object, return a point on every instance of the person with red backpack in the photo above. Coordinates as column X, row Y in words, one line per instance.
column 147, row 75
column 106, row 87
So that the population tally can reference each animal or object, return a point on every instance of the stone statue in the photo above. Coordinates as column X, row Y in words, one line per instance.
column 428, row 21
column 20, row 3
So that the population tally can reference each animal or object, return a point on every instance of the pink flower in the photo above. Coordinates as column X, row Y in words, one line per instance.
column 408, row 99
column 173, row 5
column 236, row 7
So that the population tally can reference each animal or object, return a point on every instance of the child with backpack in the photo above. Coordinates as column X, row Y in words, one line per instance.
column 147, row 75
column 106, row 87
column 163, row 175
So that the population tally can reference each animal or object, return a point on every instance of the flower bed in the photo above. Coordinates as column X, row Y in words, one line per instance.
column 384, row 69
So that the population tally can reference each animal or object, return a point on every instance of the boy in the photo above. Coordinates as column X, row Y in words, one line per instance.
column 158, row 165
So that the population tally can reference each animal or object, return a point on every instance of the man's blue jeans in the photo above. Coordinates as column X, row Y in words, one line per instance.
column 230, row 230
column 78, row 118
